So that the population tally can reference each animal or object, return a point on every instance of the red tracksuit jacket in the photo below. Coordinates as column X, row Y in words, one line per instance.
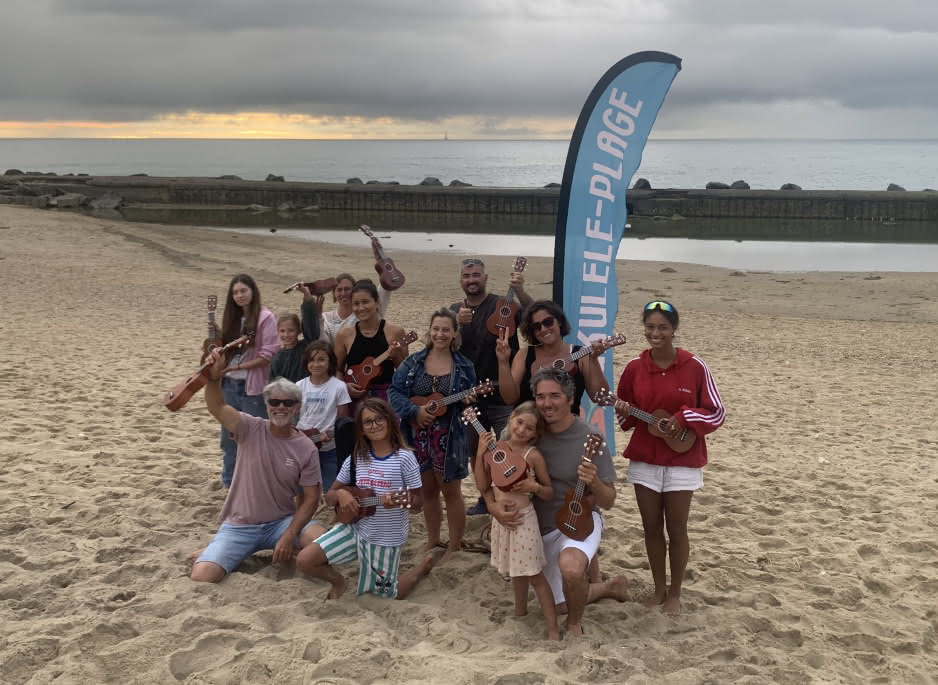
column 685, row 388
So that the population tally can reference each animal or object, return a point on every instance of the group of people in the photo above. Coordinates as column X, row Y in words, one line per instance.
column 296, row 428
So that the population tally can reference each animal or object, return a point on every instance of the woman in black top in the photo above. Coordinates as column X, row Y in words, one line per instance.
column 544, row 325
column 370, row 338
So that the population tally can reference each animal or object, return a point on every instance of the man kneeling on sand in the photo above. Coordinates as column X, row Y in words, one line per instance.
column 274, row 460
column 571, row 567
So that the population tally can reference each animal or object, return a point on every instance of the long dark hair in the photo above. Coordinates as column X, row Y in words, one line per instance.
column 381, row 408
column 549, row 306
column 231, row 327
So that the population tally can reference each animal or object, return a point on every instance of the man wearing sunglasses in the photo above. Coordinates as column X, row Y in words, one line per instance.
column 274, row 461
column 478, row 345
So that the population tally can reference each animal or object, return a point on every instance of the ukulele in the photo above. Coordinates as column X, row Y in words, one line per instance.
column 566, row 362
column 368, row 503
column 657, row 423
column 508, row 468
column 435, row 404
column 390, row 276
column 209, row 343
column 506, row 309
column 320, row 287
column 362, row 374
column 176, row 398
column 575, row 516
column 315, row 435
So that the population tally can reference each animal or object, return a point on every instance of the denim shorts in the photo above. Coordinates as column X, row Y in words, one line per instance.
column 233, row 543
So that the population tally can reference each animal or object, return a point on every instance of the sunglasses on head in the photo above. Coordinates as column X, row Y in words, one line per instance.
column 659, row 304
column 276, row 402
column 546, row 322
column 473, row 262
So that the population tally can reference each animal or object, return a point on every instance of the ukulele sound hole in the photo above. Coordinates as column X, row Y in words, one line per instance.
column 505, row 311
column 367, row 369
column 576, row 508
column 559, row 364
column 498, row 457
column 388, row 267
column 432, row 407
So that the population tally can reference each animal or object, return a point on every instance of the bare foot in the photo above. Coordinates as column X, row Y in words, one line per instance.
column 553, row 634
column 428, row 547
column 192, row 558
column 574, row 629
column 672, row 606
column 521, row 610
column 423, row 568
column 450, row 551
column 656, row 599
column 561, row 608
column 337, row 589
column 619, row 588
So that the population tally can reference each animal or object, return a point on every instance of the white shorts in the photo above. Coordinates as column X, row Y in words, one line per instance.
column 555, row 542
column 665, row 478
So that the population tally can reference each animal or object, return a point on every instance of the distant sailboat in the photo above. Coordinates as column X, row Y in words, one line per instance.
column 445, row 135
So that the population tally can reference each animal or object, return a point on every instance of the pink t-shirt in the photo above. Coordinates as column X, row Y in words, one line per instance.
column 267, row 472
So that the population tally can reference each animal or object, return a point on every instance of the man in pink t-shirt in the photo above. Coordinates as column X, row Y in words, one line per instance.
column 274, row 461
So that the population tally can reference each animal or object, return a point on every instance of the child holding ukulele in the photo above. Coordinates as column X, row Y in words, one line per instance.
column 381, row 462
column 519, row 553
column 325, row 398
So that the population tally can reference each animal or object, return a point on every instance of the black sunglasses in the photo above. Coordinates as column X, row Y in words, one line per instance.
column 276, row 402
column 546, row 322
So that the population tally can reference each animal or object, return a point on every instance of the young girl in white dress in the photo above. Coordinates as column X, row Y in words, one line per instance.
column 519, row 553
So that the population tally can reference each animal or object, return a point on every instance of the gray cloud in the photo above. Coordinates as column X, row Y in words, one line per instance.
column 115, row 60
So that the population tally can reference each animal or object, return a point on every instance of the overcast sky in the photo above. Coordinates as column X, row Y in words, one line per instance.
column 474, row 68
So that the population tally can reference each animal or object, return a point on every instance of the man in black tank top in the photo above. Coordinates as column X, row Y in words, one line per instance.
column 478, row 345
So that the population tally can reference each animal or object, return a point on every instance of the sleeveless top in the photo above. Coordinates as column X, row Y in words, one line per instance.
column 363, row 347
column 579, row 383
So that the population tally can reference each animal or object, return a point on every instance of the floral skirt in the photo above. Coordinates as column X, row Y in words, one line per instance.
column 518, row 552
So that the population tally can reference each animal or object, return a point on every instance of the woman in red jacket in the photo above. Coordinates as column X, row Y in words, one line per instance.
column 665, row 377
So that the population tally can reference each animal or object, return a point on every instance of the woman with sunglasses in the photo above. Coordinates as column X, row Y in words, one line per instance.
column 665, row 377
column 246, row 374
column 381, row 462
column 544, row 325
column 343, row 315
column 371, row 336
column 440, row 443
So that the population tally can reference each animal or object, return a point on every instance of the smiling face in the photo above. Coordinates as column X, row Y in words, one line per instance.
column 242, row 294
column 282, row 415
column 523, row 428
column 472, row 279
column 374, row 425
column 441, row 332
column 546, row 327
column 659, row 332
column 343, row 290
column 318, row 365
column 289, row 334
column 364, row 306
column 552, row 402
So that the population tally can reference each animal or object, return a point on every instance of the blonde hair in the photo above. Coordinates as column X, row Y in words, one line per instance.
column 526, row 408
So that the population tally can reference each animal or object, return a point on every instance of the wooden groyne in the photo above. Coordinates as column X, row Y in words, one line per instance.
column 761, row 204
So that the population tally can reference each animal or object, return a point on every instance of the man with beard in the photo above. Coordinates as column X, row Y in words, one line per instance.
column 478, row 345
column 274, row 460
column 567, row 566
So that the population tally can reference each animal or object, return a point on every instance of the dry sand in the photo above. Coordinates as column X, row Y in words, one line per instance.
column 814, row 551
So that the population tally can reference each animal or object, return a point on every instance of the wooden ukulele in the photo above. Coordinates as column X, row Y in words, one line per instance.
column 435, row 404
column 368, row 503
column 567, row 362
column 508, row 468
column 370, row 368
column 390, row 276
column 176, row 398
column 210, row 342
column 575, row 516
column 320, row 287
column 503, row 318
column 315, row 435
column 657, row 423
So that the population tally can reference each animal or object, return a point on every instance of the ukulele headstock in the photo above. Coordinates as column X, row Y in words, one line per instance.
column 605, row 398
column 593, row 446
column 613, row 340
column 401, row 498
column 406, row 340
column 211, row 303
column 486, row 387
column 520, row 264
column 469, row 415
column 367, row 231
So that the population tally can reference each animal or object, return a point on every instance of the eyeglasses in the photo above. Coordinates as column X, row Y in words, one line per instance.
column 276, row 402
column 376, row 422
column 473, row 262
column 659, row 304
column 546, row 322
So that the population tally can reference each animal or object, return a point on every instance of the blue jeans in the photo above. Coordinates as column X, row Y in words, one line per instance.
column 236, row 398
column 329, row 467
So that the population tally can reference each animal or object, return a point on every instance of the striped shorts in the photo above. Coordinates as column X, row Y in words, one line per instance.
column 378, row 565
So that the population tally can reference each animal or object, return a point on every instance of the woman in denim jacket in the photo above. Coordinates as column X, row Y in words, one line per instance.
column 439, row 442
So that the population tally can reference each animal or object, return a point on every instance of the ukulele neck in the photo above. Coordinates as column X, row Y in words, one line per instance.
column 449, row 399
column 366, row 502
column 511, row 293
column 642, row 415
column 211, row 326
column 480, row 429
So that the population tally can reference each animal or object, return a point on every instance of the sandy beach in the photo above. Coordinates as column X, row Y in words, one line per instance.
column 814, row 544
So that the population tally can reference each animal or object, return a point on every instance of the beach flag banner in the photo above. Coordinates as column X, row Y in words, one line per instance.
column 605, row 152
